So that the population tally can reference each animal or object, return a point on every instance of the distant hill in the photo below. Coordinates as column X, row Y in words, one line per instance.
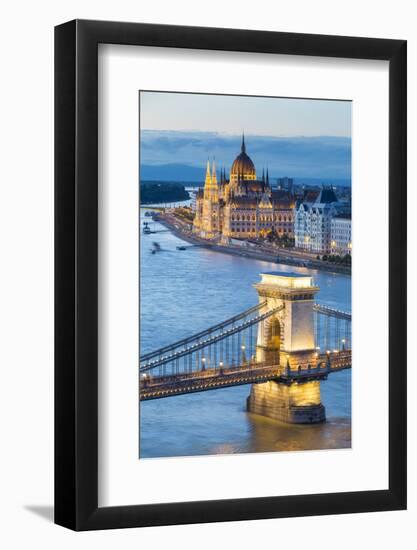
column 174, row 155
column 172, row 172
column 186, row 174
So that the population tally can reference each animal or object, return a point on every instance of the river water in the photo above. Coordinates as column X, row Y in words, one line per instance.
column 183, row 292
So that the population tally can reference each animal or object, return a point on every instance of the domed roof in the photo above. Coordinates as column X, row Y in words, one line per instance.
column 243, row 163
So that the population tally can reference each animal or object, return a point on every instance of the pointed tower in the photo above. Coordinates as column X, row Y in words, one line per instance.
column 243, row 147
column 210, row 224
column 268, row 188
column 213, row 173
column 211, row 190
column 208, row 174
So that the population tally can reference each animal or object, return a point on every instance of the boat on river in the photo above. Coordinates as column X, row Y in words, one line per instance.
column 155, row 248
column 146, row 229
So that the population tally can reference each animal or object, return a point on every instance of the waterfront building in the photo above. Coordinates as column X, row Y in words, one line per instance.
column 193, row 197
column 313, row 217
column 242, row 205
column 341, row 234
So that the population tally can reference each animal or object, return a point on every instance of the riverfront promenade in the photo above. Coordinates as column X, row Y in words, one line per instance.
column 181, row 229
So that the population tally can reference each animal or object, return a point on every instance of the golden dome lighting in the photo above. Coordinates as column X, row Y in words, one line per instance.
column 243, row 167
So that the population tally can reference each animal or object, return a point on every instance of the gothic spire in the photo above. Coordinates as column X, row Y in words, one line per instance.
column 243, row 147
column 208, row 175
column 267, row 176
column 213, row 172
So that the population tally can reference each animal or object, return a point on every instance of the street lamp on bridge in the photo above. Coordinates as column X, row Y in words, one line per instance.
column 243, row 348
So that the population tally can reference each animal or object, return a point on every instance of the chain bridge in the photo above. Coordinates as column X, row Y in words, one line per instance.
column 284, row 346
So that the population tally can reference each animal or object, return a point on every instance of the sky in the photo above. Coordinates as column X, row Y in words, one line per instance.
column 260, row 116
column 294, row 137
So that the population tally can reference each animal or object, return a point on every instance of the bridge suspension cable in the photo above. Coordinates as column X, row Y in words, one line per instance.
column 226, row 354
column 330, row 312
column 233, row 342
column 214, row 353
column 332, row 329
column 219, row 326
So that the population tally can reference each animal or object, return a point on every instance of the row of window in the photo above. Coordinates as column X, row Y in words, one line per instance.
column 261, row 218
column 251, row 229
column 261, row 225
column 343, row 234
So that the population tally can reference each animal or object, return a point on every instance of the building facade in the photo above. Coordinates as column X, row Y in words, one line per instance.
column 285, row 183
column 193, row 195
column 312, row 225
column 341, row 234
column 322, row 223
column 242, row 206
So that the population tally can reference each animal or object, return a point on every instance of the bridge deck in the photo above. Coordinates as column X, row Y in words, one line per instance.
column 157, row 387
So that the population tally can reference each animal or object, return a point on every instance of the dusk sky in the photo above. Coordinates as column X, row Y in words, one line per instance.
column 294, row 137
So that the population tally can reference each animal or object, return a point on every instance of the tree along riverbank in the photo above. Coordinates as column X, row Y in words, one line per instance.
column 152, row 192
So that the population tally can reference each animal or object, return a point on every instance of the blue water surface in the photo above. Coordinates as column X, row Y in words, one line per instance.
column 182, row 292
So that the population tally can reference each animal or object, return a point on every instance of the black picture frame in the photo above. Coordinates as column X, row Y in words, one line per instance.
column 76, row 274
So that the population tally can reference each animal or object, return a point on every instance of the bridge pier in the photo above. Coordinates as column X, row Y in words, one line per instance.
column 293, row 403
column 291, row 347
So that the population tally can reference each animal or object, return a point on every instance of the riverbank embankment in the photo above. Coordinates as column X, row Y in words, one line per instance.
column 280, row 256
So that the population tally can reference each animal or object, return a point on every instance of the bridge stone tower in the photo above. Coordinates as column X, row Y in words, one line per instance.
column 286, row 339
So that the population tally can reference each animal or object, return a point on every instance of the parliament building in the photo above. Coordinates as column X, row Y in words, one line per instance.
column 242, row 206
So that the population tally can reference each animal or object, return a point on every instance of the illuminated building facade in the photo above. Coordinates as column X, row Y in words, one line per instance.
column 312, row 225
column 242, row 206
column 341, row 234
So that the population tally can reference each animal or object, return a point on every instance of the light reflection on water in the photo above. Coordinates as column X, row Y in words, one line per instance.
column 183, row 292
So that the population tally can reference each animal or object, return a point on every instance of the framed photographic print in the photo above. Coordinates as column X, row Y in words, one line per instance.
column 230, row 275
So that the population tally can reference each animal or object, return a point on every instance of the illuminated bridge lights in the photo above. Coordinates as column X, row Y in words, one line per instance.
column 156, row 388
column 182, row 368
